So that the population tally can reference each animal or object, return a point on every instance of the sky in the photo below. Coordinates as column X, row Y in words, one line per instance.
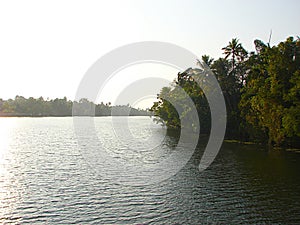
column 46, row 47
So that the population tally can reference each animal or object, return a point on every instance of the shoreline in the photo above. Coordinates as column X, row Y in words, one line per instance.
column 290, row 149
column 7, row 115
column 235, row 141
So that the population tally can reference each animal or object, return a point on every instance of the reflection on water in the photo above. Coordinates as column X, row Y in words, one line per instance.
column 45, row 179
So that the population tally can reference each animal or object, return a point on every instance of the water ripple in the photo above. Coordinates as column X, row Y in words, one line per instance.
column 44, row 179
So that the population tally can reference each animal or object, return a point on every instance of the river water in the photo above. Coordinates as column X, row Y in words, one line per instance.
column 45, row 177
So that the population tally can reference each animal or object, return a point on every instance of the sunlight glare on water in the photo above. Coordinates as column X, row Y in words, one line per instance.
column 8, row 182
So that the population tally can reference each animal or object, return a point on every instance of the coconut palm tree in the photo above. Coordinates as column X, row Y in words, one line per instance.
column 206, row 59
column 235, row 50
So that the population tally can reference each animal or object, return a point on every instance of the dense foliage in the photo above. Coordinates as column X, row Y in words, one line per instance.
column 261, row 91
column 21, row 106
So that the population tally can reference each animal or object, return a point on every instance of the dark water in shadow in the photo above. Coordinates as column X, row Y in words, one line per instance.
column 45, row 179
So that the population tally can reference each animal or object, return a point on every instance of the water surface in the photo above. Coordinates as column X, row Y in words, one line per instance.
column 44, row 178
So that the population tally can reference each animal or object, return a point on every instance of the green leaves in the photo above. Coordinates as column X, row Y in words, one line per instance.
column 270, row 99
column 262, row 92
column 183, row 87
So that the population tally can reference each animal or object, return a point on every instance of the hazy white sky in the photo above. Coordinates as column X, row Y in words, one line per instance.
column 47, row 46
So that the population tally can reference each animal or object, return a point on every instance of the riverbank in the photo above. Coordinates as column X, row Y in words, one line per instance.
column 283, row 148
column 64, row 115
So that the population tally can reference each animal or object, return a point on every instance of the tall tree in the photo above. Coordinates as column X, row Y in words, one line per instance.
column 270, row 102
column 236, row 51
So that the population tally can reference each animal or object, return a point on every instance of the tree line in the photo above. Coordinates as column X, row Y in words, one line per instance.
column 261, row 91
column 21, row 106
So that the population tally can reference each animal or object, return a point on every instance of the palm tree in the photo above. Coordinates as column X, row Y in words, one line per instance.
column 206, row 59
column 236, row 50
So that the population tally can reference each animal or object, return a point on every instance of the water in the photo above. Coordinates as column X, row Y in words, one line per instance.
column 45, row 178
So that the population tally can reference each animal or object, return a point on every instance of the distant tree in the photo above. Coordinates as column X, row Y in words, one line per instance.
column 1, row 104
column 21, row 106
